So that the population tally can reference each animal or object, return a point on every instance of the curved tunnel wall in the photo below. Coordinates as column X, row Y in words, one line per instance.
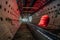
column 9, row 16
column 53, row 10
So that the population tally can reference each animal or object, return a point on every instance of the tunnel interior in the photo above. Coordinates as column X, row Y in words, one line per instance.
column 29, row 19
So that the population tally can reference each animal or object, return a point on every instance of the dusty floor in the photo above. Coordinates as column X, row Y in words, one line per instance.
column 23, row 34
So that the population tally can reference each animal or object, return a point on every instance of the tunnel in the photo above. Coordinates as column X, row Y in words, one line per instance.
column 29, row 19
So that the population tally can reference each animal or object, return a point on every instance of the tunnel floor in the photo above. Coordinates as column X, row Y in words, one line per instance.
column 23, row 33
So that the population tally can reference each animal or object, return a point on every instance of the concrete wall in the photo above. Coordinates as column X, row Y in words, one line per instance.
column 9, row 16
column 53, row 10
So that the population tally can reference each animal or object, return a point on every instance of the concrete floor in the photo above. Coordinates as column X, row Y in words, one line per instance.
column 23, row 34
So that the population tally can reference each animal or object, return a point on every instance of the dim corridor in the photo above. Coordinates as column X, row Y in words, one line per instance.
column 29, row 19
column 23, row 33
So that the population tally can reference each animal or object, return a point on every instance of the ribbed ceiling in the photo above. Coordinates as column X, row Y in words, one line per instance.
column 31, row 6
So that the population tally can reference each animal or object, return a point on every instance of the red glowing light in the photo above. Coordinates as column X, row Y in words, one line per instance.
column 44, row 21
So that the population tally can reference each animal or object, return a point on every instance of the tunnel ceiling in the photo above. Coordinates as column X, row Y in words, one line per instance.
column 30, row 6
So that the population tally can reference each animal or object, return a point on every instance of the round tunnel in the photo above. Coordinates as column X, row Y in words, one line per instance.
column 29, row 19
